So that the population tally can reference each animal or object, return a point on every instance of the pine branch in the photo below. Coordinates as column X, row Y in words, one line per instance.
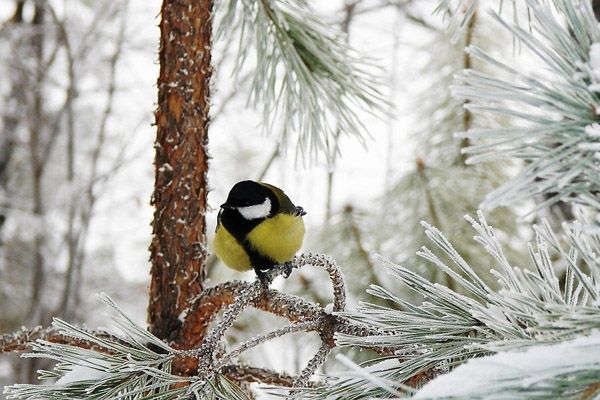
column 305, row 76
column 555, row 129
column 448, row 328
column 136, row 362
column 241, row 373
column 314, row 363
column 302, row 326
column 22, row 340
column 205, row 354
column 204, row 308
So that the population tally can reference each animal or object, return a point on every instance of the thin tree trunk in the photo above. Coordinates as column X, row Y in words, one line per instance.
column 178, row 248
column 64, row 310
column 35, row 132
column 349, row 9
column 10, row 122
column 36, row 312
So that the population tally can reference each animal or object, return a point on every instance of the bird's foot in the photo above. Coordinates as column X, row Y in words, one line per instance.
column 263, row 278
column 287, row 269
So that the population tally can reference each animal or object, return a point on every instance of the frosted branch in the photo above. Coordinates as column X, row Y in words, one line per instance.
column 314, row 363
column 307, row 77
column 242, row 373
column 23, row 339
column 302, row 326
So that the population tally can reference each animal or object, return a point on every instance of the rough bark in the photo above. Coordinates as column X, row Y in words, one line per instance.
column 179, row 231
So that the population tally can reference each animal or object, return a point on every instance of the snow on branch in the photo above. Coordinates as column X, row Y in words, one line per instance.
column 22, row 340
column 563, row 370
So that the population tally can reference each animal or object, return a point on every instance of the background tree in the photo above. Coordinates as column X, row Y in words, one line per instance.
column 60, row 151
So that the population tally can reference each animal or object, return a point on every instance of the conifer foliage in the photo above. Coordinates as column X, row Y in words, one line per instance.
column 433, row 346
column 553, row 299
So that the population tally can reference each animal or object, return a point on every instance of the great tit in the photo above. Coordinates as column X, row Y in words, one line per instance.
column 258, row 227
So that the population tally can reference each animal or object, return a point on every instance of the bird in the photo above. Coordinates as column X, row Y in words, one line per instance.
column 258, row 227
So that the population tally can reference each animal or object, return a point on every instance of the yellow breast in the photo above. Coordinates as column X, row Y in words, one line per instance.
column 227, row 248
column 278, row 238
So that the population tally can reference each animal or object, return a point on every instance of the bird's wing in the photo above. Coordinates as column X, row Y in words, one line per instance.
column 218, row 219
column 285, row 204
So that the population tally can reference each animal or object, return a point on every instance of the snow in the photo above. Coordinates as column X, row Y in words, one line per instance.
column 595, row 55
column 595, row 64
column 5, row 368
column 593, row 130
column 82, row 373
column 527, row 368
column 593, row 133
column 182, row 315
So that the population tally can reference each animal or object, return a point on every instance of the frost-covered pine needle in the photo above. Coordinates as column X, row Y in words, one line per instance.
column 532, row 307
column 133, row 364
column 306, row 77
column 458, row 13
column 554, row 109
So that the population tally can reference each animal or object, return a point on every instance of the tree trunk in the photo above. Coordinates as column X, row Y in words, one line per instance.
column 178, row 248
column 35, row 137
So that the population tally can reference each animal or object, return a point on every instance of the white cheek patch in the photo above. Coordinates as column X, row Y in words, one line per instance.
column 257, row 211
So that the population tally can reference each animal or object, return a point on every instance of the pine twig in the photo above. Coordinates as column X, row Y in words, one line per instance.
column 22, row 340
column 242, row 373
column 313, row 364
column 302, row 326
column 250, row 293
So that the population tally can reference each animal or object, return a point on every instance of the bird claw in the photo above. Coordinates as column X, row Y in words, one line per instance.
column 263, row 278
column 287, row 269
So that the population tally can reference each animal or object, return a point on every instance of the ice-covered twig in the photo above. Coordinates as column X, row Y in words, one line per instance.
column 302, row 326
column 313, row 364
column 22, row 339
column 250, row 294
column 335, row 274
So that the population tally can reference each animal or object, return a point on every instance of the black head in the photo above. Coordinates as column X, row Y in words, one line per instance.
column 251, row 200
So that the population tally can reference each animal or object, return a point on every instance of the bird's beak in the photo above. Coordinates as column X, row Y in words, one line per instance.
column 226, row 206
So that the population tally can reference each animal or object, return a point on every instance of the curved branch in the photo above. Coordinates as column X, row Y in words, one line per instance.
column 314, row 363
column 242, row 373
column 204, row 308
column 207, row 306
column 302, row 326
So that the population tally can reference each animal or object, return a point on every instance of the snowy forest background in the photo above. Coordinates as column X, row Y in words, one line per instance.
column 517, row 138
